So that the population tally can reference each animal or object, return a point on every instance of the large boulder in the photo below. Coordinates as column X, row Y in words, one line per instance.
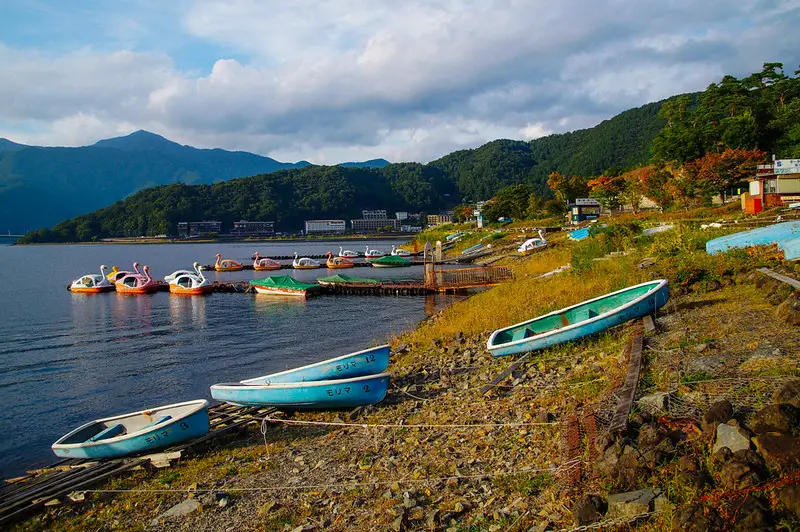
column 782, row 417
column 752, row 514
column 789, row 393
column 589, row 509
column 736, row 474
column 789, row 310
column 780, row 451
column 790, row 497
column 730, row 437
column 696, row 518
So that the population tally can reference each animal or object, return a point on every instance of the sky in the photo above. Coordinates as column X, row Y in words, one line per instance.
column 343, row 80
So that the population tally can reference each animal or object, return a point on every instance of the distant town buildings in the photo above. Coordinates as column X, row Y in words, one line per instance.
column 774, row 184
column 190, row 229
column 325, row 227
column 401, row 216
column 410, row 228
column 245, row 228
column 374, row 221
column 374, row 215
column 439, row 219
column 584, row 209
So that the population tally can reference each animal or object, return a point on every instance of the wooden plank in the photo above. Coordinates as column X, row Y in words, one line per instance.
column 775, row 275
column 500, row 378
column 628, row 392
column 649, row 323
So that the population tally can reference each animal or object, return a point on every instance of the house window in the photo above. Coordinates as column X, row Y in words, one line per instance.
column 770, row 186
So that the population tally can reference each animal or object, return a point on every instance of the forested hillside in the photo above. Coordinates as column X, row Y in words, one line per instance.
column 290, row 196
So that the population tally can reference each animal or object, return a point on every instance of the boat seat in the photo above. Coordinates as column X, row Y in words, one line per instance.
column 110, row 432
column 156, row 422
column 521, row 334
column 564, row 320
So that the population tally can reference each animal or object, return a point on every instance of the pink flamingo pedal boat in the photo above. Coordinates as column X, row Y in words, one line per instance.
column 137, row 283
column 261, row 264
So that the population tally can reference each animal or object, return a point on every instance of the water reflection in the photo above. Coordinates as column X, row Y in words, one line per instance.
column 188, row 310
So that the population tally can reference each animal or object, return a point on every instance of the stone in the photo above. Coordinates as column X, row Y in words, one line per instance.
column 789, row 393
column 699, row 348
column 736, row 474
column 720, row 457
column 650, row 435
column 182, row 509
column 790, row 497
column 731, row 438
column 687, row 463
column 695, row 479
column 780, row 451
column 655, row 403
column 625, row 505
column 781, row 417
column 718, row 412
column 752, row 515
column 589, row 509
column 696, row 518
column 789, row 310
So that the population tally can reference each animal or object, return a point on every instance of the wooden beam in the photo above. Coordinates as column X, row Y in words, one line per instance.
column 500, row 378
column 628, row 392
column 775, row 275
column 649, row 323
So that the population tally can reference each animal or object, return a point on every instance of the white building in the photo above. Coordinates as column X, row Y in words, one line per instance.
column 374, row 215
column 325, row 226
column 401, row 215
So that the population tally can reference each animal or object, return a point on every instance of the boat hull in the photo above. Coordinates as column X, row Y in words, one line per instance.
column 298, row 267
column 180, row 429
column 199, row 291
column 139, row 290
column 367, row 362
column 786, row 235
column 342, row 393
column 637, row 307
column 229, row 268
column 90, row 290
column 378, row 265
column 273, row 291
column 266, row 268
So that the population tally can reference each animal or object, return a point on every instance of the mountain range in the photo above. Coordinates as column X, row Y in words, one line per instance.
column 289, row 196
column 40, row 186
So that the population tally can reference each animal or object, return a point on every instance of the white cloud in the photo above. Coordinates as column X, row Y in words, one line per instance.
column 357, row 79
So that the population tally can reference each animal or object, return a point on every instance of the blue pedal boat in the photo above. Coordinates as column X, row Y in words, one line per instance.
column 340, row 393
column 135, row 433
column 570, row 323
column 367, row 362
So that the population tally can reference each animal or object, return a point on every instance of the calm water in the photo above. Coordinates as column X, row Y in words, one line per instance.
column 68, row 358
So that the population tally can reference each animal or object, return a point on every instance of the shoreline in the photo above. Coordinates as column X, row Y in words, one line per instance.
column 437, row 454
column 134, row 240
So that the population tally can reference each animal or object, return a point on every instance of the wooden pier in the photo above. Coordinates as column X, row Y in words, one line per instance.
column 22, row 496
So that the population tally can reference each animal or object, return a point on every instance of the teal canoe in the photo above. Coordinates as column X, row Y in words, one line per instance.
column 590, row 317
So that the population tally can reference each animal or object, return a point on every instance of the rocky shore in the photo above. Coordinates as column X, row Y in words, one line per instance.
column 712, row 441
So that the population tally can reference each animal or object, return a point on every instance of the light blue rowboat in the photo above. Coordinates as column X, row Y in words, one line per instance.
column 367, row 362
column 577, row 321
column 782, row 234
column 579, row 234
column 340, row 393
column 791, row 248
column 136, row 433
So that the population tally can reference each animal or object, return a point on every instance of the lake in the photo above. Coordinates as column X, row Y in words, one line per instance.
column 66, row 358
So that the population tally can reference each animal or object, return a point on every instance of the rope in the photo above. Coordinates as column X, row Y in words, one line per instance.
column 352, row 485
column 268, row 419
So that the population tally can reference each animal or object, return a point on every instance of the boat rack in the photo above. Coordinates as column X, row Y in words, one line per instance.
column 22, row 496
